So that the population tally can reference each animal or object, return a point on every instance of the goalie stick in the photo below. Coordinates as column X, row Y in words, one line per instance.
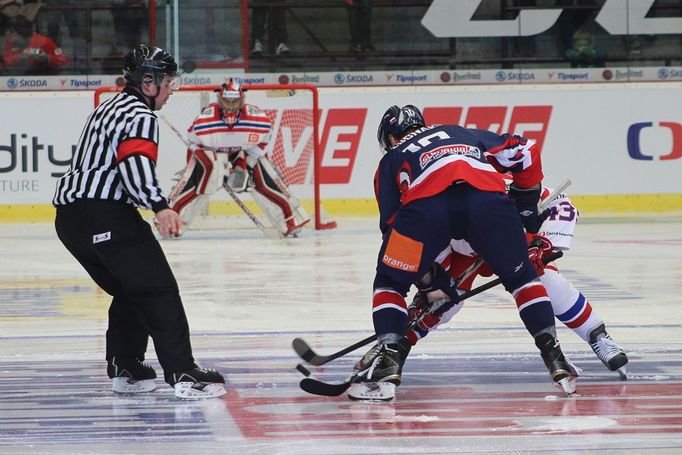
column 271, row 233
column 329, row 389
column 308, row 354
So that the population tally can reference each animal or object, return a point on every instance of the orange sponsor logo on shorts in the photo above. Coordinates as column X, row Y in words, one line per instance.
column 403, row 253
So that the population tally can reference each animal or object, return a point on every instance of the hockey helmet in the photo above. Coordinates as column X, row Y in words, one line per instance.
column 146, row 63
column 396, row 120
column 231, row 100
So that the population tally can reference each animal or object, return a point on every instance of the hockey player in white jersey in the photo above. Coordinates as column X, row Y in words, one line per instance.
column 569, row 305
column 228, row 141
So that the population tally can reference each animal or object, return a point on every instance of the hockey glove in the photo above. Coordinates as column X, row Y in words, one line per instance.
column 539, row 248
column 420, row 304
column 527, row 205
column 439, row 312
column 438, row 279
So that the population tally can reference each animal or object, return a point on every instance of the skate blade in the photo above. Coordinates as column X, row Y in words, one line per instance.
column 123, row 385
column 567, row 386
column 623, row 372
column 187, row 391
column 372, row 391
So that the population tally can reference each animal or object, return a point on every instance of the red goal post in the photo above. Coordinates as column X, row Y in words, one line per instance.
column 295, row 144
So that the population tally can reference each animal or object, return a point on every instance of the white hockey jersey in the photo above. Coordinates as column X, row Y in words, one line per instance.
column 558, row 227
column 250, row 133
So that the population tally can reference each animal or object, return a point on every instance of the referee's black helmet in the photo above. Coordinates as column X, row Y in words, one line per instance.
column 145, row 60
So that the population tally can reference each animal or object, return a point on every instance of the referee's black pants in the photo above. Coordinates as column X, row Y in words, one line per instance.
column 119, row 251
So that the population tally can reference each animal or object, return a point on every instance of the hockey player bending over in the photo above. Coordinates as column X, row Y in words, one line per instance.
column 229, row 138
column 434, row 184
column 570, row 306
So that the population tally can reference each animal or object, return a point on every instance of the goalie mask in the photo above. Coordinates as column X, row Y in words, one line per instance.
column 231, row 100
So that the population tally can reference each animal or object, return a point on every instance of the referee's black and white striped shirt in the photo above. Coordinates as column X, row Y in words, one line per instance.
column 116, row 156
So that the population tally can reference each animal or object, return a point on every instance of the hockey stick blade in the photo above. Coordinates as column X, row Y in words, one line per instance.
column 326, row 389
column 305, row 352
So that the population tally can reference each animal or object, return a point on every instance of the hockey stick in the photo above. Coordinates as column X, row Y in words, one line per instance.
column 193, row 146
column 309, row 355
column 317, row 387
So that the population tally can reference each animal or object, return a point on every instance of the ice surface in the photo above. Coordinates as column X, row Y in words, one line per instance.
column 476, row 386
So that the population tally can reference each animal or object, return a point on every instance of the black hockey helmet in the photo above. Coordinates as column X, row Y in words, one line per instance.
column 145, row 60
column 387, row 126
column 396, row 120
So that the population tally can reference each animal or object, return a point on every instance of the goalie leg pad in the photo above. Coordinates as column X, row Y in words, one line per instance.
column 206, row 178
column 214, row 172
column 269, row 184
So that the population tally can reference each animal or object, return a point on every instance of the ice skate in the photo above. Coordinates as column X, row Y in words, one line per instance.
column 131, row 375
column 379, row 372
column 563, row 373
column 197, row 383
column 611, row 355
column 293, row 227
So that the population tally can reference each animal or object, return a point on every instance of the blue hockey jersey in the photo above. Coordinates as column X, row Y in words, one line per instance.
column 430, row 159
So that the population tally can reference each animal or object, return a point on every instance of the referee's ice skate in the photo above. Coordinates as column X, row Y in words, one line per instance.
column 197, row 383
column 131, row 375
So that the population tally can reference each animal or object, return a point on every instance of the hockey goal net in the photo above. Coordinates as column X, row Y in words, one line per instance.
column 293, row 148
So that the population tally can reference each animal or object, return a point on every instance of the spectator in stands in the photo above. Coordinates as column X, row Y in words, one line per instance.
column 130, row 20
column 26, row 52
column 76, row 20
column 360, row 24
column 12, row 8
column 278, row 27
column 576, row 27
column 574, row 33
